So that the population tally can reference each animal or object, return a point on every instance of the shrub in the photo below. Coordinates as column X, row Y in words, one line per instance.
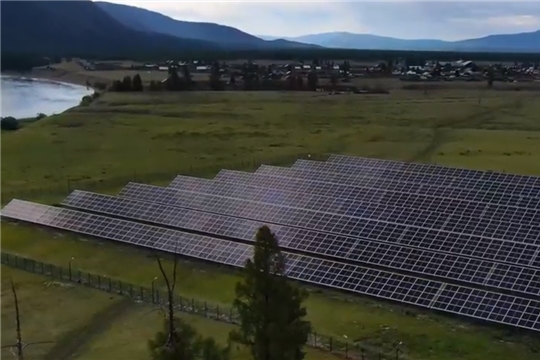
column 9, row 123
column 86, row 100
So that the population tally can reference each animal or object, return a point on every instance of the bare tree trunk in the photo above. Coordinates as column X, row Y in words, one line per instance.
column 170, row 296
column 20, row 355
column 20, row 345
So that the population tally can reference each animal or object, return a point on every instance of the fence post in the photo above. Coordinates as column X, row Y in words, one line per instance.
column 131, row 290
column 99, row 282
column 120, row 286
column 205, row 310
column 80, row 276
column 142, row 294
column 110, row 285
column 230, row 315
column 7, row 259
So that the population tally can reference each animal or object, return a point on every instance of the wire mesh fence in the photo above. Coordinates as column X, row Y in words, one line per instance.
column 152, row 295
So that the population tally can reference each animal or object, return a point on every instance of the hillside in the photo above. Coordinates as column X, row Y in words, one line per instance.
column 153, row 22
column 523, row 42
column 78, row 27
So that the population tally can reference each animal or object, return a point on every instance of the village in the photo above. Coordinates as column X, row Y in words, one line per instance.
column 429, row 71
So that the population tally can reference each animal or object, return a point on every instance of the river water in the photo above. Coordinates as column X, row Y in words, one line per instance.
column 25, row 97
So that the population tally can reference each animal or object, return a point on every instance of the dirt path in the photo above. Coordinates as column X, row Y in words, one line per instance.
column 72, row 344
column 442, row 130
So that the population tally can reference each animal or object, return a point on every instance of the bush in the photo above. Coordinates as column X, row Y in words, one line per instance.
column 40, row 116
column 86, row 100
column 9, row 123
column 100, row 85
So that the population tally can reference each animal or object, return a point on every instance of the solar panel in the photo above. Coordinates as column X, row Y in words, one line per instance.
column 373, row 195
column 481, row 304
column 479, row 225
column 499, row 250
column 431, row 169
column 363, row 180
column 462, row 183
column 400, row 258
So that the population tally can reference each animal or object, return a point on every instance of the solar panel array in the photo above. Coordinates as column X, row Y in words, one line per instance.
column 459, row 241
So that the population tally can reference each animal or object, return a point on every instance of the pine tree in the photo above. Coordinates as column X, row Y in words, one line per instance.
column 137, row 84
column 269, row 306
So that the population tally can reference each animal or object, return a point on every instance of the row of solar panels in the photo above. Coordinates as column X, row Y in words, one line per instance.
column 476, row 303
column 359, row 178
column 519, row 251
column 162, row 206
column 358, row 223
column 487, row 179
column 436, row 170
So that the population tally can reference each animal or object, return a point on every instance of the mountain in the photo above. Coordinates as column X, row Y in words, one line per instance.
column 524, row 42
column 345, row 40
column 78, row 27
column 153, row 22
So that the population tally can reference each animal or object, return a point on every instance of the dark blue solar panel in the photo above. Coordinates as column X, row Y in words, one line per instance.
column 481, row 304
column 462, row 183
column 365, row 180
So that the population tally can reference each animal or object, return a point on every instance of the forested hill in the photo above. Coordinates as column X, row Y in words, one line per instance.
column 78, row 27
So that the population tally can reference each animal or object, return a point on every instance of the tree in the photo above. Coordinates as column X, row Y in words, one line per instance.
column 190, row 345
column 334, row 79
column 126, row 84
column 215, row 77
column 491, row 77
column 300, row 82
column 269, row 306
column 178, row 340
column 137, row 84
column 9, row 123
column 20, row 345
column 313, row 80
column 188, row 82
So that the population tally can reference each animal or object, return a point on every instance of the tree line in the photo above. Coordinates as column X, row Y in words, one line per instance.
column 253, row 76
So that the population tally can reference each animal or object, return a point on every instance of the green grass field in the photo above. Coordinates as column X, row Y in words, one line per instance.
column 151, row 138
column 110, row 327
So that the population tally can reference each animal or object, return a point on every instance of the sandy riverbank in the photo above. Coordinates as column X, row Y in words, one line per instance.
column 52, row 75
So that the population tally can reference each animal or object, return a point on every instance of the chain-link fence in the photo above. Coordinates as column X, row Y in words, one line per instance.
column 346, row 349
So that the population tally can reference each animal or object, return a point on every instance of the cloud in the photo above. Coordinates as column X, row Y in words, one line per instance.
column 449, row 20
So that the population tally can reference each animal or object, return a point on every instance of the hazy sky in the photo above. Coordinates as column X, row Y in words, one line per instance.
column 448, row 20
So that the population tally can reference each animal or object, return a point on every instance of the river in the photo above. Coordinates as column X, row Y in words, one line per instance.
column 25, row 97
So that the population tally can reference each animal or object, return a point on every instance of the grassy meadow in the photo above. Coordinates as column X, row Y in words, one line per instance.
column 110, row 327
column 152, row 137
